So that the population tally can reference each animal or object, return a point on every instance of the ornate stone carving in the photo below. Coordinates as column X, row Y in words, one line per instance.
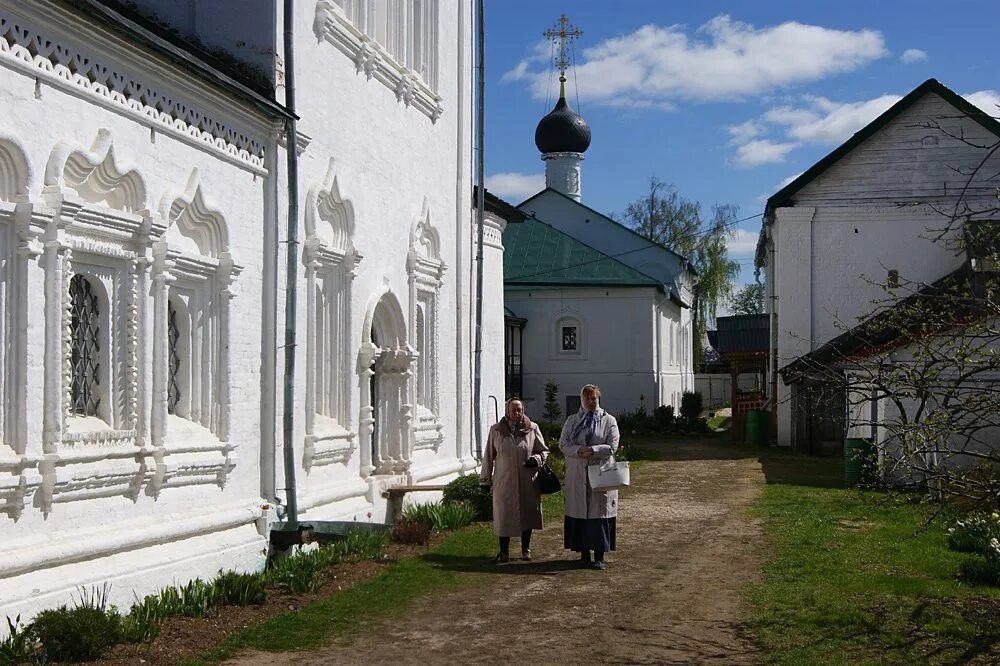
column 61, row 65
column 374, row 61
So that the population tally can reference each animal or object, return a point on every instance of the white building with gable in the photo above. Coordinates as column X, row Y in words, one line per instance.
column 143, row 217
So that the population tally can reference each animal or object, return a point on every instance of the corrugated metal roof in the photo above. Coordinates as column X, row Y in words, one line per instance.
column 742, row 333
column 537, row 254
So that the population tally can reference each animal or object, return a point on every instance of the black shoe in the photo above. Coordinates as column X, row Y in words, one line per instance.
column 598, row 565
column 585, row 557
column 501, row 558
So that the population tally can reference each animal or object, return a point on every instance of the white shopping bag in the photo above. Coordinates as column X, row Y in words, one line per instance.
column 608, row 476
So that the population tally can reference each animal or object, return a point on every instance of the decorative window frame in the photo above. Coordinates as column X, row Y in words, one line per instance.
column 426, row 275
column 331, row 264
column 569, row 319
column 358, row 40
column 19, row 245
column 192, row 267
column 96, row 223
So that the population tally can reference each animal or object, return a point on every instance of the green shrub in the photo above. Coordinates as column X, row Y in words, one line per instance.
column 558, row 465
column 979, row 570
column 143, row 622
column 466, row 489
column 634, row 422
column 19, row 646
column 974, row 534
column 411, row 532
column 297, row 573
column 552, row 409
column 663, row 415
column 238, row 589
column 691, row 405
column 629, row 453
column 76, row 634
column 550, row 430
column 359, row 545
column 441, row 515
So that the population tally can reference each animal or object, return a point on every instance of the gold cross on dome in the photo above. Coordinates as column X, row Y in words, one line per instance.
column 563, row 32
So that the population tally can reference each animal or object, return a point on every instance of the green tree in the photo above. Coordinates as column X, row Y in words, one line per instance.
column 665, row 217
column 748, row 299
column 552, row 409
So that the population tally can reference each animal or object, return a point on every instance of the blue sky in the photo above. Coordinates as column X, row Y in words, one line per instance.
column 725, row 100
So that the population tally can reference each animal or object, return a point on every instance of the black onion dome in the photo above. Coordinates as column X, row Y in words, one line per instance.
column 563, row 130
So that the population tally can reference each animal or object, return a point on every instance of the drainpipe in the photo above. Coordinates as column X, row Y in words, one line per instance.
column 477, row 372
column 291, row 273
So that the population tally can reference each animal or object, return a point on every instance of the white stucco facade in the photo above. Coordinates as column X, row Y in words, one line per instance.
column 630, row 342
column 142, row 209
column 828, row 251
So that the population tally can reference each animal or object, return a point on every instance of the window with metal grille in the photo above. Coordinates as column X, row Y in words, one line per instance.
column 569, row 338
column 85, row 332
column 174, row 360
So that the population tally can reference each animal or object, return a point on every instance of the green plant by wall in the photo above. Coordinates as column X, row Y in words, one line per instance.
column 467, row 489
column 691, row 405
column 441, row 515
column 79, row 633
column 19, row 646
column 239, row 589
column 552, row 409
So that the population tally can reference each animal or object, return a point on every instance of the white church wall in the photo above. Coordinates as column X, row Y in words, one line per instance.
column 493, row 377
column 402, row 170
column 615, row 344
column 110, row 501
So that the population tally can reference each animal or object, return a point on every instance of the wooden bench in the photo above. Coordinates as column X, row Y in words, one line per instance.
column 395, row 495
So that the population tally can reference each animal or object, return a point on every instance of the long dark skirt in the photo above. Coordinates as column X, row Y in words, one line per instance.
column 590, row 534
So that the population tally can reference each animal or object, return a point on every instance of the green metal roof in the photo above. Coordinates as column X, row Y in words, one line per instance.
column 537, row 254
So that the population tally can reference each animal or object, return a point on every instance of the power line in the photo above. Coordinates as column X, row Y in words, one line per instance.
column 640, row 249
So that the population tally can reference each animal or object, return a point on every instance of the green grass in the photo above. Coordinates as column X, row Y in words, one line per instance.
column 717, row 423
column 858, row 578
column 451, row 564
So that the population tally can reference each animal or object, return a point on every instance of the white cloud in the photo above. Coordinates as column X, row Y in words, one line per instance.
column 743, row 243
column 761, row 151
column 515, row 187
column 911, row 56
column 721, row 60
column 813, row 120
column 987, row 100
column 787, row 181
column 745, row 132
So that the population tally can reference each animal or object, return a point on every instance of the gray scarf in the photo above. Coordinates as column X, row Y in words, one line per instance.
column 586, row 424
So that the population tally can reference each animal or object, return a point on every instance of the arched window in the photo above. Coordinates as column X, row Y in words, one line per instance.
column 85, row 342
column 174, row 390
column 569, row 336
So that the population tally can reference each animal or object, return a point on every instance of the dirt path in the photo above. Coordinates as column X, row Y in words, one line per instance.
column 670, row 594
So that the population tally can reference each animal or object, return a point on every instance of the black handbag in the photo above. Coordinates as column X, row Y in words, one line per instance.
column 548, row 482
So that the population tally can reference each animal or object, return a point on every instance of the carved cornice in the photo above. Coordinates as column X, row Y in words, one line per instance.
column 46, row 58
column 371, row 59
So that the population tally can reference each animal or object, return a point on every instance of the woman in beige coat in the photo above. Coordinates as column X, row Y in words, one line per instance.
column 589, row 437
column 515, row 450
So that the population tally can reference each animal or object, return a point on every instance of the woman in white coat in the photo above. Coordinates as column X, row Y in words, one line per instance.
column 589, row 437
column 515, row 449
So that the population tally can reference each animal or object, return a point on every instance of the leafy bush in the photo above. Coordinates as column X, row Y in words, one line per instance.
column 663, row 415
column 691, row 405
column 629, row 453
column 633, row 422
column 550, row 430
column 76, row 634
column 143, row 622
column 466, row 489
column 974, row 534
column 359, row 545
column 979, row 570
column 441, row 515
column 238, row 589
column 18, row 647
column 411, row 531
column 297, row 573
column 558, row 465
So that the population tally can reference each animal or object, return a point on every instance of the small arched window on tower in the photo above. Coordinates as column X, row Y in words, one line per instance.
column 85, row 341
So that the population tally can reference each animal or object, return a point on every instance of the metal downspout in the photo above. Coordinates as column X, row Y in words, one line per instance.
column 477, row 372
column 291, row 273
